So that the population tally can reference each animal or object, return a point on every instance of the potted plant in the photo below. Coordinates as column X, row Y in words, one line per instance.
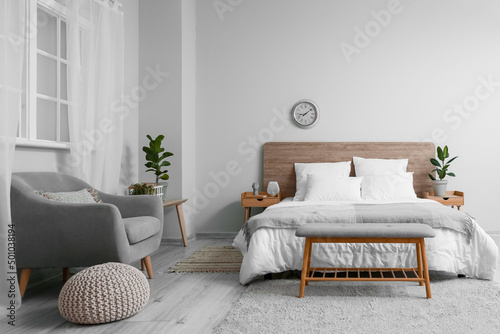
column 441, row 169
column 155, row 156
column 141, row 189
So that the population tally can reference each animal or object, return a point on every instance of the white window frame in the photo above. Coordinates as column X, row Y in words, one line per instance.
column 30, row 122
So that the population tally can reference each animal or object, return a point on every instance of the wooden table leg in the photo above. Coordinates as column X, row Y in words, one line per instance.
column 180, row 215
column 248, row 212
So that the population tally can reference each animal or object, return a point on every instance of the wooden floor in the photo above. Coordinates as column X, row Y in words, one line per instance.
column 180, row 303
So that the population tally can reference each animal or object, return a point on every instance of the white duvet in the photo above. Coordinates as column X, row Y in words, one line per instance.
column 277, row 250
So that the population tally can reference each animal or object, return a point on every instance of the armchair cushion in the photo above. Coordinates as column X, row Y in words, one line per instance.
column 141, row 228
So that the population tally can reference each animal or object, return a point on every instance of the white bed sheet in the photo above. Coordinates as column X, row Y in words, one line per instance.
column 278, row 250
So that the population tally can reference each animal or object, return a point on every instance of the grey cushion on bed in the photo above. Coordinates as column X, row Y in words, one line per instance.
column 365, row 230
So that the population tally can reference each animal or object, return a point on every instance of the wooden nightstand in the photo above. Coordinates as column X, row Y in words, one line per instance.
column 263, row 200
column 452, row 198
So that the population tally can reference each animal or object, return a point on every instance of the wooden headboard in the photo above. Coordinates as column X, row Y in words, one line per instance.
column 280, row 157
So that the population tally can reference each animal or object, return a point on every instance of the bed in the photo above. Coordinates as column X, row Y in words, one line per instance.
column 275, row 249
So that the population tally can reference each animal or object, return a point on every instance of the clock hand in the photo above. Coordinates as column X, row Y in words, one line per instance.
column 306, row 112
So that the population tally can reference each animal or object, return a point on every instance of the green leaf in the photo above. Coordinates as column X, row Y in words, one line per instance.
column 432, row 177
column 440, row 153
column 435, row 162
column 445, row 152
column 164, row 164
column 164, row 177
column 166, row 155
column 449, row 161
column 451, row 174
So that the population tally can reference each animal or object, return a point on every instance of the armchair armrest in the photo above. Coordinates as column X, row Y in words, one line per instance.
column 136, row 206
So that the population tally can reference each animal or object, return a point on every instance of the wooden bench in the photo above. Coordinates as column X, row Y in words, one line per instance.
column 365, row 233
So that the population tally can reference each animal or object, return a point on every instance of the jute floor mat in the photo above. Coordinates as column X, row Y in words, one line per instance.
column 211, row 259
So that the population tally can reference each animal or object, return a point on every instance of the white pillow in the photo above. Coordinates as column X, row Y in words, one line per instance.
column 388, row 187
column 365, row 167
column 339, row 169
column 332, row 188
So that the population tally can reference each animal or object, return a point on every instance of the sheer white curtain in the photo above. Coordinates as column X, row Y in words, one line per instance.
column 95, row 91
column 12, row 15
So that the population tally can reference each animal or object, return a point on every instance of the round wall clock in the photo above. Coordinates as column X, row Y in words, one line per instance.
column 305, row 114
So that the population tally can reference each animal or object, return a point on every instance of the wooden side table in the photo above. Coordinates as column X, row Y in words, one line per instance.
column 180, row 215
column 451, row 198
column 263, row 200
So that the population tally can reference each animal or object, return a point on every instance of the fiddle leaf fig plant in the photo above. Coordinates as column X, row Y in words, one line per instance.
column 442, row 165
column 155, row 156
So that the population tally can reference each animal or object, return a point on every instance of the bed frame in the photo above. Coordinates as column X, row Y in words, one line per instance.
column 280, row 157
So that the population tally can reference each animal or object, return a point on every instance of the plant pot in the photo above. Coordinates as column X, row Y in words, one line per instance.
column 164, row 190
column 439, row 187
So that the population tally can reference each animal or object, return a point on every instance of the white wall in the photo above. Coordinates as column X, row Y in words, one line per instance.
column 167, row 44
column 261, row 56
column 29, row 159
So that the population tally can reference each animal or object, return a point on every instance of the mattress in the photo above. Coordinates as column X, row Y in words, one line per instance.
column 274, row 250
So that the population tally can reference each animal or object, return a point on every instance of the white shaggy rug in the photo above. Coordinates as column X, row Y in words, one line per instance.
column 457, row 306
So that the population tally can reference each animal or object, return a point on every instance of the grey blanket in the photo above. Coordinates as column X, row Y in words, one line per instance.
column 436, row 216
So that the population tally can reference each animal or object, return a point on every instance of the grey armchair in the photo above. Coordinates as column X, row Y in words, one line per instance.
column 62, row 235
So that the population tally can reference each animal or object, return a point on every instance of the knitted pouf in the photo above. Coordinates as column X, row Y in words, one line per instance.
column 104, row 293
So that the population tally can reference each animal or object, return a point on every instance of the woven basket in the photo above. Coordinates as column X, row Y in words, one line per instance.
column 104, row 293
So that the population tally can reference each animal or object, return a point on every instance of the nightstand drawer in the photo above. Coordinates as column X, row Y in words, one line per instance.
column 262, row 201
column 452, row 198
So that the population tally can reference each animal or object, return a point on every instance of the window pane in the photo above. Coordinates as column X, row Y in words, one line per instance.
column 64, row 82
column 64, row 129
column 63, row 40
column 46, row 119
column 47, row 32
column 46, row 76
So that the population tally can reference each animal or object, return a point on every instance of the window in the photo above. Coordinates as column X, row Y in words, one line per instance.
column 44, row 117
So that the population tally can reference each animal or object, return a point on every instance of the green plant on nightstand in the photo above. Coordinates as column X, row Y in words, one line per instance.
column 441, row 169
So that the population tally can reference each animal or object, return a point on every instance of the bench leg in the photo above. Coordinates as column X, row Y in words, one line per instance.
column 426, row 271
column 305, row 266
column 419, row 262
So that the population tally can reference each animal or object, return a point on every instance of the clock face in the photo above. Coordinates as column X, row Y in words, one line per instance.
column 305, row 113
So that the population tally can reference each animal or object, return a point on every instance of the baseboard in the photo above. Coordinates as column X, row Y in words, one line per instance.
column 216, row 235
column 176, row 241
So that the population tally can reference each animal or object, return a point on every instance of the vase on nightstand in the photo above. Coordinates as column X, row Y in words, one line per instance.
column 273, row 188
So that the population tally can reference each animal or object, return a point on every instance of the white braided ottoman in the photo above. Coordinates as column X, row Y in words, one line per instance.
column 104, row 293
